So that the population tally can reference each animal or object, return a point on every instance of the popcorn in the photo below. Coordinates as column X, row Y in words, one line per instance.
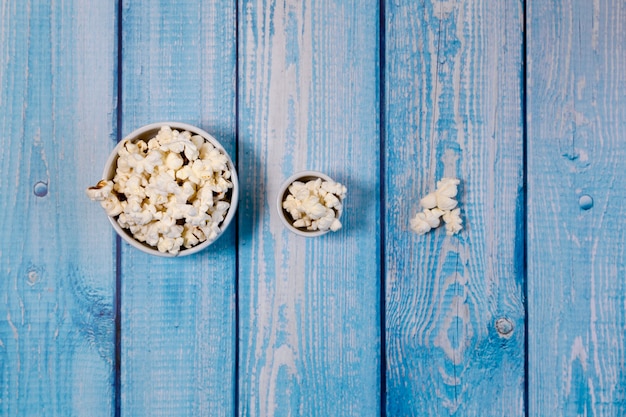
column 419, row 224
column 174, row 161
column 453, row 221
column 440, row 204
column 101, row 191
column 315, row 205
column 425, row 221
column 112, row 206
column 170, row 192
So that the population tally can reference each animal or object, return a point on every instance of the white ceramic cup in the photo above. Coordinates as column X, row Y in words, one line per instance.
column 146, row 133
column 283, row 192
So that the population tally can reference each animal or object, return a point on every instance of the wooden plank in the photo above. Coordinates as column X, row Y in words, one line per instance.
column 57, row 278
column 178, row 315
column 576, row 159
column 454, row 304
column 309, row 307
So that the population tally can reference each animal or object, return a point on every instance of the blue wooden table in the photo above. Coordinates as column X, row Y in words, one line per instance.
column 523, row 313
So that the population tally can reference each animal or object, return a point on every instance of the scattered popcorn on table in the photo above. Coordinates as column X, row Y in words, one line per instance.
column 453, row 221
column 314, row 205
column 440, row 204
column 170, row 192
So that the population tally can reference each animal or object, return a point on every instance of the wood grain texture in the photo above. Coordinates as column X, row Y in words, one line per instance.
column 178, row 315
column 57, row 279
column 454, row 305
column 309, row 308
column 576, row 153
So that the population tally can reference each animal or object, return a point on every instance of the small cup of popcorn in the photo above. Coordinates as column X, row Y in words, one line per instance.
column 169, row 189
column 310, row 203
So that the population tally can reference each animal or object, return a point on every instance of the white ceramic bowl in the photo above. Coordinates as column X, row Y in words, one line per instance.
column 146, row 133
column 283, row 192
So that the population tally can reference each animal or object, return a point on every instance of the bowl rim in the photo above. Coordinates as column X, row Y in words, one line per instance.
column 141, row 133
column 282, row 213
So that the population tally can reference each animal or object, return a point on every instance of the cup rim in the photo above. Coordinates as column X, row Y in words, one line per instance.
column 142, row 133
column 280, row 196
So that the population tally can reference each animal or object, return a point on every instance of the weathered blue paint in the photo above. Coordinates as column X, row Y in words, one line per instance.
column 454, row 305
column 56, row 257
column 576, row 160
column 300, row 82
column 309, row 309
column 178, row 315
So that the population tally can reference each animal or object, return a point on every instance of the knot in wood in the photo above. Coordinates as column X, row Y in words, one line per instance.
column 40, row 189
column 585, row 202
column 504, row 327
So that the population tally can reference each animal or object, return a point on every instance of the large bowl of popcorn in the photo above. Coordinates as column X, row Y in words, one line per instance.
column 169, row 189
column 310, row 203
